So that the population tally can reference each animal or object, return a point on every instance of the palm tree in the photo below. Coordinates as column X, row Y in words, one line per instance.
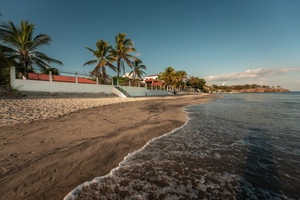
column 138, row 69
column 179, row 76
column 123, row 48
column 104, row 58
column 168, row 76
column 25, row 47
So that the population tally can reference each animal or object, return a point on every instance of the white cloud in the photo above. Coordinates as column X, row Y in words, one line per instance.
column 252, row 74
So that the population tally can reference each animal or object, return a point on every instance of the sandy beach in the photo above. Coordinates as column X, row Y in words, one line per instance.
column 36, row 106
column 74, row 140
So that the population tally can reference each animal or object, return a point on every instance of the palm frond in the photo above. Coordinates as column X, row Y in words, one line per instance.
column 43, row 56
column 40, row 63
column 90, row 49
column 131, row 56
column 111, row 66
column 40, row 40
column 128, row 62
column 90, row 62
column 129, row 42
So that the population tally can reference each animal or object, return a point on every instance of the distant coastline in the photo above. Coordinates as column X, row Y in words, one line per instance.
column 259, row 90
column 254, row 88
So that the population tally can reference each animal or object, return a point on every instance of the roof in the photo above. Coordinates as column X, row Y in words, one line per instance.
column 150, row 80
column 45, row 77
column 156, row 83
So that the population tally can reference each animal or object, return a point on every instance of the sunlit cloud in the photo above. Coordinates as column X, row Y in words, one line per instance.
column 252, row 74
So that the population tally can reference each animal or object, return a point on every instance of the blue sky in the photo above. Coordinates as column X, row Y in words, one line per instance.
column 232, row 42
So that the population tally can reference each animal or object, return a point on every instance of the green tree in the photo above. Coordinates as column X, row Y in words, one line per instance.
column 24, row 47
column 137, row 70
column 122, row 51
column 104, row 59
column 179, row 75
column 172, row 77
column 196, row 82
column 168, row 76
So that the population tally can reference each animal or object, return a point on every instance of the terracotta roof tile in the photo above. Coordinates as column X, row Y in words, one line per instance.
column 45, row 77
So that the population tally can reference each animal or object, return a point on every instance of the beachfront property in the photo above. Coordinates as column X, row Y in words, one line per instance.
column 152, row 80
column 58, row 78
column 129, row 75
column 153, row 77
column 66, row 84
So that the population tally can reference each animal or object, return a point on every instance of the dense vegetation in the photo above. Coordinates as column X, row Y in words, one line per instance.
column 179, row 79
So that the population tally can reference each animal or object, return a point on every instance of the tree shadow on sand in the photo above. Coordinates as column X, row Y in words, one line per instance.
column 260, row 179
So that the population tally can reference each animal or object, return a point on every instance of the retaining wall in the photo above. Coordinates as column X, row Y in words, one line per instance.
column 141, row 91
column 67, row 87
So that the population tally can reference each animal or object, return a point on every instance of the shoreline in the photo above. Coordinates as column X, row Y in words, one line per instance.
column 72, row 194
column 46, row 159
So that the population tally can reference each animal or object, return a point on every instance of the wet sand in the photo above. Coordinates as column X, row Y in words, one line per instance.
column 46, row 159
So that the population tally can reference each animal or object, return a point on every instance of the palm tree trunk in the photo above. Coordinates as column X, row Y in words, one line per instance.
column 118, row 68
column 26, row 70
column 123, row 68
column 104, row 74
column 134, row 78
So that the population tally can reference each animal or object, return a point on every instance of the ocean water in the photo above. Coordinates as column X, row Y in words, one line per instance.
column 242, row 146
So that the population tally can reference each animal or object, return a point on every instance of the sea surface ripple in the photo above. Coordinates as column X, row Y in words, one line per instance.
column 243, row 146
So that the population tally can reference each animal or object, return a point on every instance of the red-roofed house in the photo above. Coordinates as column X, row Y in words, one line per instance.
column 154, row 77
column 152, row 80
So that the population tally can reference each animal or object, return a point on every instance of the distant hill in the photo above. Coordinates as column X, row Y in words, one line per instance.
column 260, row 90
column 254, row 88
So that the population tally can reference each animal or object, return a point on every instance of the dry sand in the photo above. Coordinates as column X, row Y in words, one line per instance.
column 47, row 158
column 35, row 107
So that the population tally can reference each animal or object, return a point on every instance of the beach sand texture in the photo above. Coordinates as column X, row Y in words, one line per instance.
column 13, row 111
column 47, row 158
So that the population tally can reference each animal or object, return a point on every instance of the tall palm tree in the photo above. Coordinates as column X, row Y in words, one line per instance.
column 25, row 47
column 123, row 48
column 137, row 70
column 104, row 58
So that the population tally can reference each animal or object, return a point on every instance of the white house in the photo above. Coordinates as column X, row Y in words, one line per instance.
column 152, row 77
column 128, row 75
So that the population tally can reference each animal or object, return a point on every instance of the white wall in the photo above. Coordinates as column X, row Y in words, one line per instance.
column 141, row 91
column 47, row 86
column 51, row 86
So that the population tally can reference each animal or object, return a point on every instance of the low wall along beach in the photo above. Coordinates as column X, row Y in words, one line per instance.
column 76, row 87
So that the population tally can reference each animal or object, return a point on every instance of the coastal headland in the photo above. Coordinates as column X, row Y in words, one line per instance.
column 259, row 90
column 47, row 158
